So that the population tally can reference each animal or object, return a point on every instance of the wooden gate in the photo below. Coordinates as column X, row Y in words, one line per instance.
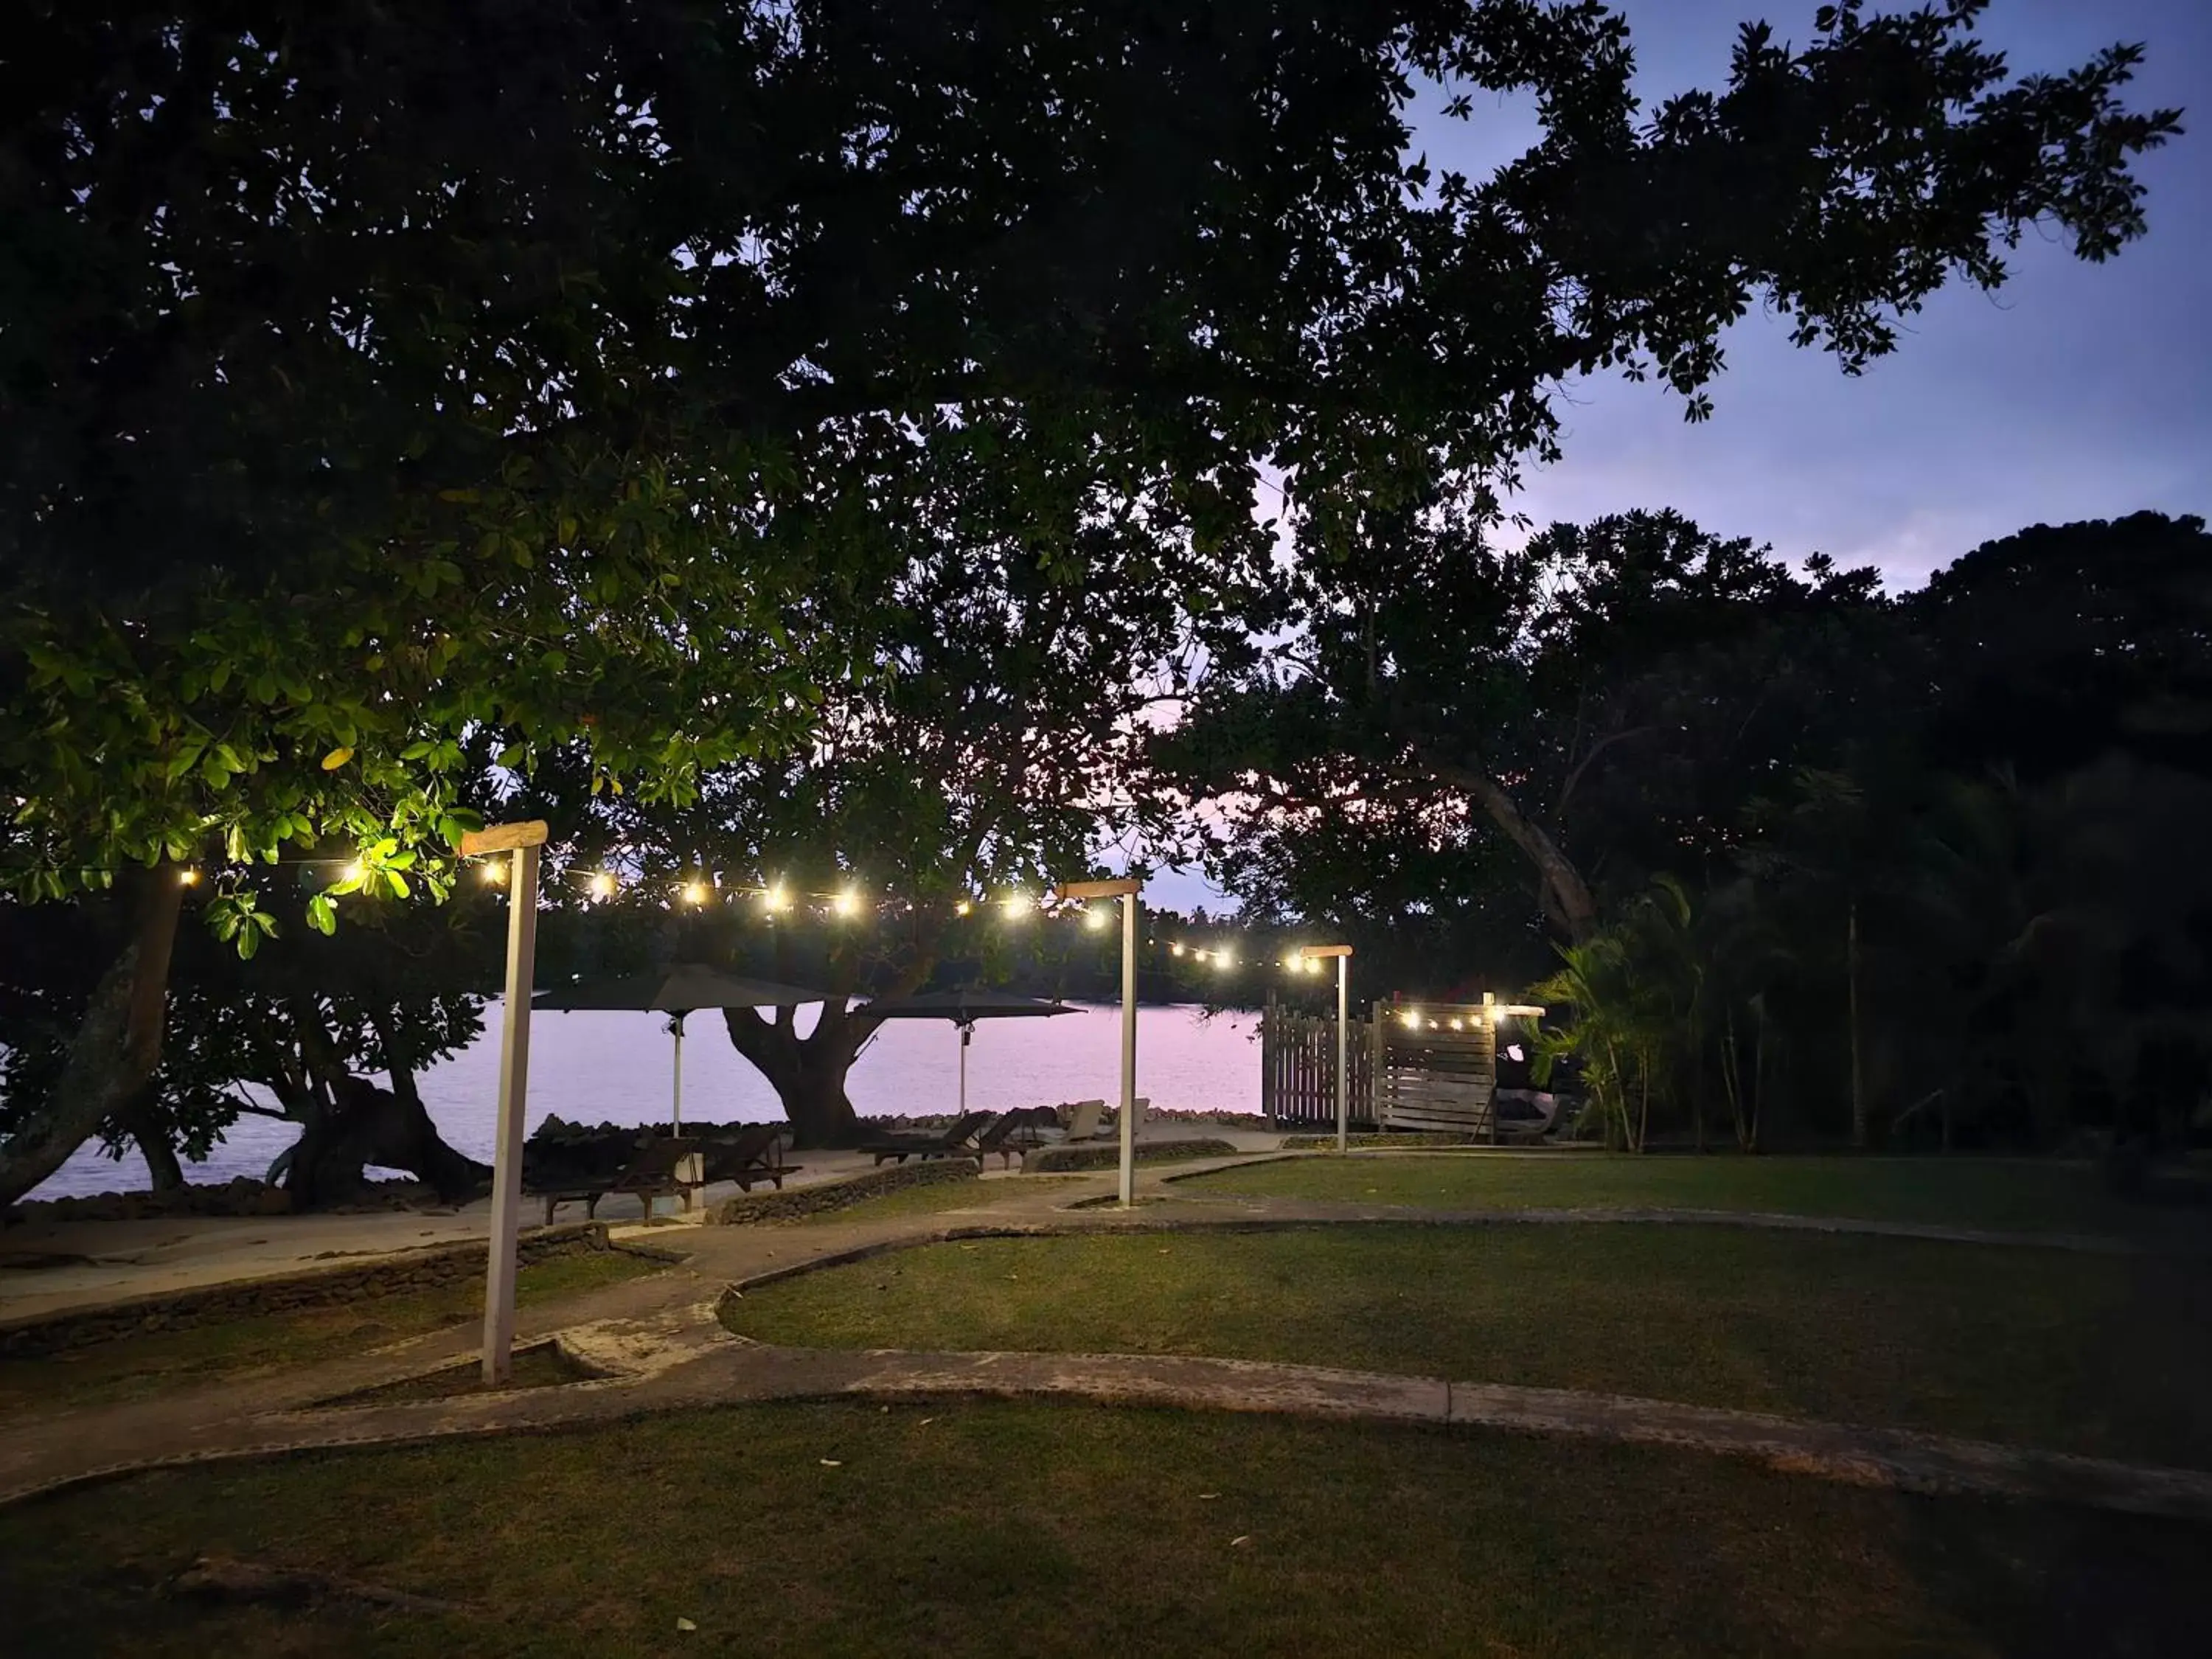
column 1297, row 1070
column 1439, row 1068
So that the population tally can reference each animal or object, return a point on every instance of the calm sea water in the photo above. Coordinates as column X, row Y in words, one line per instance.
column 615, row 1067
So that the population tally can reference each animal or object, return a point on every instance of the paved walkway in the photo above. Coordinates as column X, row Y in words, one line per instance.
column 659, row 1339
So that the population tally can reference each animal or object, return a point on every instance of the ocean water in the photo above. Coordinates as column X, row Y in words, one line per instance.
column 616, row 1067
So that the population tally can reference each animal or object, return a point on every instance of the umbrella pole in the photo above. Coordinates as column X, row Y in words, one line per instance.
column 675, row 1104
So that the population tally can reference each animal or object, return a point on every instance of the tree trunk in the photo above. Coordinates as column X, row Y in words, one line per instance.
column 1757, row 1078
column 152, row 1140
column 115, row 1052
column 364, row 1125
column 807, row 1073
column 1568, row 897
column 1859, row 1125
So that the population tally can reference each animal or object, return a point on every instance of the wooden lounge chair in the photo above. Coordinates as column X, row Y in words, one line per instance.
column 1083, row 1119
column 658, row 1171
column 953, row 1141
column 1018, row 1133
column 752, row 1153
column 576, row 1169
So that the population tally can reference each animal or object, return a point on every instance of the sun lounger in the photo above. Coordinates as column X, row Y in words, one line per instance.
column 957, row 1140
column 1016, row 1132
column 574, row 1168
column 752, row 1153
column 1083, row 1119
column 658, row 1171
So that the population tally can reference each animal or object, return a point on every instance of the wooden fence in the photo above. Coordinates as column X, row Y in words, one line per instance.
column 1297, row 1070
column 1439, row 1069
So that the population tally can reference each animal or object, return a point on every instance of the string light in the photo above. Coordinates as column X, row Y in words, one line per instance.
column 1223, row 959
column 775, row 899
column 694, row 892
column 603, row 886
column 1176, row 949
column 1017, row 906
column 846, row 903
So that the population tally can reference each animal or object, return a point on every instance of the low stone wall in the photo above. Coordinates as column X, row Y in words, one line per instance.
column 1366, row 1138
column 1059, row 1160
column 242, row 1196
column 416, row 1270
column 748, row 1208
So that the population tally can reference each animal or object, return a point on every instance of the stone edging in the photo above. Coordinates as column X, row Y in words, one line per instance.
column 245, row 1299
column 749, row 1208
column 1068, row 1160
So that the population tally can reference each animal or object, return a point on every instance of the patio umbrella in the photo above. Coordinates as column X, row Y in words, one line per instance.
column 963, row 1009
column 676, row 991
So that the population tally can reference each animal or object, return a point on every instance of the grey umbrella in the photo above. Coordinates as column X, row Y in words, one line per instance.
column 963, row 1009
column 676, row 991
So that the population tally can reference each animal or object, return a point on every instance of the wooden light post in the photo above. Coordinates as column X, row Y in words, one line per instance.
column 1343, row 955
column 522, row 841
column 1126, row 888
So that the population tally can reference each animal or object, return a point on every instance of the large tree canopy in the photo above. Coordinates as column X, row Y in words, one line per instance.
column 377, row 374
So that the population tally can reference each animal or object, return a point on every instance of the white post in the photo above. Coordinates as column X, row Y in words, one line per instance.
column 676, row 1102
column 513, row 1084
column 966, row 1031
column 1128, row 1050
column 1343, row 1058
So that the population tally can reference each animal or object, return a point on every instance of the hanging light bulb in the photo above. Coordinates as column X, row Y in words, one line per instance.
column 775, row 899
column 188, row 877
column 1224, row 959
column 1017, row 905
column 603, row 886
column 493, row 872
column 846, row 903
column 353, row 871
column 1094, row 918
column 1176, row 949
column 694, row 892
column 962, row 908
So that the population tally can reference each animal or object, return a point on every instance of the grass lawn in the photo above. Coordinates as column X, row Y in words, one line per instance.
column 141, row 1365
column 941, row 1196
column 2004, row 1196
column 987, row 1529
column 2095, row 1354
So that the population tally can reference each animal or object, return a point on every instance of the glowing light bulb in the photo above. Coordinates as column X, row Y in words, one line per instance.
column 962, row 908
column 694, row 892
column 1176, row 949
column 188, row 877
column 1017, row 906
column 1223, row 959
column 353, row 871
column 603, row 886
column 775, row 899
column 1413, row 1018
column 495, row 872
column 846, row 903
column 1458, row 1026
column 1094, row 918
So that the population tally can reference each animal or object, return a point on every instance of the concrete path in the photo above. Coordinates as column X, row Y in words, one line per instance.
column 659, row 1339
column 84, row 1264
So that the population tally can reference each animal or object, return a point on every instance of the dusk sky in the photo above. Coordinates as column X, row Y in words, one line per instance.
column 2075, row 391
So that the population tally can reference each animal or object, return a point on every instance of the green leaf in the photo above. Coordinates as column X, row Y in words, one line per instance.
column 337, row 758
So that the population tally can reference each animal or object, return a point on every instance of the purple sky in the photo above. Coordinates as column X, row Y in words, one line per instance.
column 2075, row 391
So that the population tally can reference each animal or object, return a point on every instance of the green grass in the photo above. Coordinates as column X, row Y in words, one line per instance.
column 1998, row 1195
column 939, row 1197
column 2096, row 1354
column 142, row 1365
column 988, row 1529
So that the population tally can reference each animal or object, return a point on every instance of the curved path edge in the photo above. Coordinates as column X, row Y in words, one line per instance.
column 737, row 1371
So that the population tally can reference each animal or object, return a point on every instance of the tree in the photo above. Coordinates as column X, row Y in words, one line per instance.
column 378, row 374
